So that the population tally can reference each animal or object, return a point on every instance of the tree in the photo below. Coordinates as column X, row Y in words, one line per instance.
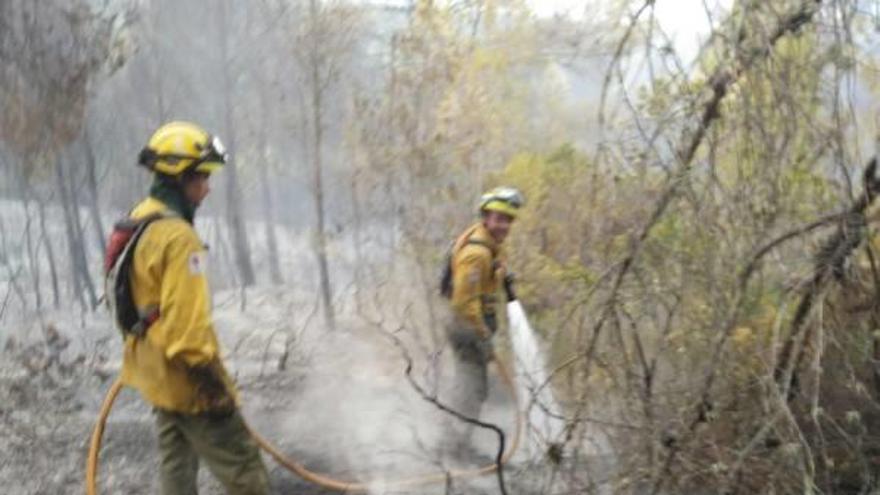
column 50, row 54
column 325, row 39
column 234, row 215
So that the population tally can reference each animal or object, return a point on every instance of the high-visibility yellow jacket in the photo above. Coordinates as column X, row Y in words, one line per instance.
column 476, row 275
column 168, row 272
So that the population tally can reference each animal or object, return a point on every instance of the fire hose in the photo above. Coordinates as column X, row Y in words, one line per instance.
column 303, row 472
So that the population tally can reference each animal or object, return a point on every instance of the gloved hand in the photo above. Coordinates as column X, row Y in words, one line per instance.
column 211, row 389
column 509, row 279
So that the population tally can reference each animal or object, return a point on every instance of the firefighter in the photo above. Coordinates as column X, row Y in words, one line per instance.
column 477, row 270
column 174, row 361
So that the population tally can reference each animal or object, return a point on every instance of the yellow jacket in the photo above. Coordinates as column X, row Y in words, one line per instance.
column 168, row 272
column 477, row 270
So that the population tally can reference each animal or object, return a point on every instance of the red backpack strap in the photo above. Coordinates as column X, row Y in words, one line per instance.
column 118, row 263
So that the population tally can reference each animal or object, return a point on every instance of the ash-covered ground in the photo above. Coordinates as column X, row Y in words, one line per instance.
column 338, row 402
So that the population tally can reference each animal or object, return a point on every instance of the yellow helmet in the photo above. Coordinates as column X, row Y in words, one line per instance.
column 503, row 199
column 180, row 147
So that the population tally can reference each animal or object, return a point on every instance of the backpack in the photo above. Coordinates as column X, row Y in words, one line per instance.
column 117, row 275
column 446, row 275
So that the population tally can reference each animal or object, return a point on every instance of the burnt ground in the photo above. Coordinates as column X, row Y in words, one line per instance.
column 343, row 408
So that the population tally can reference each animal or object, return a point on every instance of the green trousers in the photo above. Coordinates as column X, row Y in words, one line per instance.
column 224, row 444
column 470, row 385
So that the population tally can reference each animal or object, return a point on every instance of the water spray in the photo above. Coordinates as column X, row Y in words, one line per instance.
column 543, row 413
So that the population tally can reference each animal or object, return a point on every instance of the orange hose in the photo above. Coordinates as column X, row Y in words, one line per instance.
column 311, row 476
column 97, row 433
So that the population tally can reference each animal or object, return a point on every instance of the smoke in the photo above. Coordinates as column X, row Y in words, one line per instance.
column 353, row 416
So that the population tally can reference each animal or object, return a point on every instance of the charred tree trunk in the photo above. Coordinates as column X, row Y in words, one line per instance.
column 269, row 220
column 31, row 246
column 268, row 201
column 359, row 262
column 317, row 96
column 92, row 184
column 82, row 280
column 81, row 253
column 234, row 217
column 50, row 255
column 72, row 247
column 12, row 274
column 233, row 193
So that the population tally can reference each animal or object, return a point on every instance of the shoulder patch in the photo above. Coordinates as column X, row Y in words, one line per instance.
column 197, row 263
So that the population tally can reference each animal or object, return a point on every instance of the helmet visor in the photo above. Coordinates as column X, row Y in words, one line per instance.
column 213, row 157
column 215, row 152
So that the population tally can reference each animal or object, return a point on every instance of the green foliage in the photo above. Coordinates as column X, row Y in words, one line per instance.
column 547, row 245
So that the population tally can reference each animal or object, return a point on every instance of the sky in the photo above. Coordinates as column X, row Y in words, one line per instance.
column 684, row 20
